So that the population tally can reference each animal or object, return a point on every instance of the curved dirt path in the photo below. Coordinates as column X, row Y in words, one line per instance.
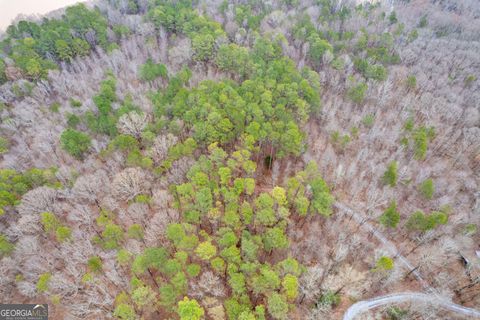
column 365, row 305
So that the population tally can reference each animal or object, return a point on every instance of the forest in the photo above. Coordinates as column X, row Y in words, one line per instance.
column 242, row 160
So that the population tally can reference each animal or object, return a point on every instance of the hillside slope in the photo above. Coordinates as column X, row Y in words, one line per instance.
column 241, row 159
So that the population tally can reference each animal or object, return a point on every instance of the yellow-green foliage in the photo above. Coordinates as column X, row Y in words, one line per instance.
column 42, row 283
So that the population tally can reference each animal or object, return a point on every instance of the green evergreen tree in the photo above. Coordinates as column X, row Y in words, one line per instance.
column 391, row 217
column 75, row 142
column 427, row 189
column 384, row 264
column 124, row 312
column 189, row 309
column 390, row 175
column 5, row 246
column 277, row 306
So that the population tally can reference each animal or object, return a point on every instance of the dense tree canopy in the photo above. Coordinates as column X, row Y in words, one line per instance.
column 32, row 45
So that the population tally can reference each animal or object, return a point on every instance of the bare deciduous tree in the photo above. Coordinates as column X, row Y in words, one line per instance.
column 129, row 183
column 209, row 284
column 132, row 123
column 89, row 187
column 161, row 144
column 310, row 282
column 162, row 198
column 38, row 200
